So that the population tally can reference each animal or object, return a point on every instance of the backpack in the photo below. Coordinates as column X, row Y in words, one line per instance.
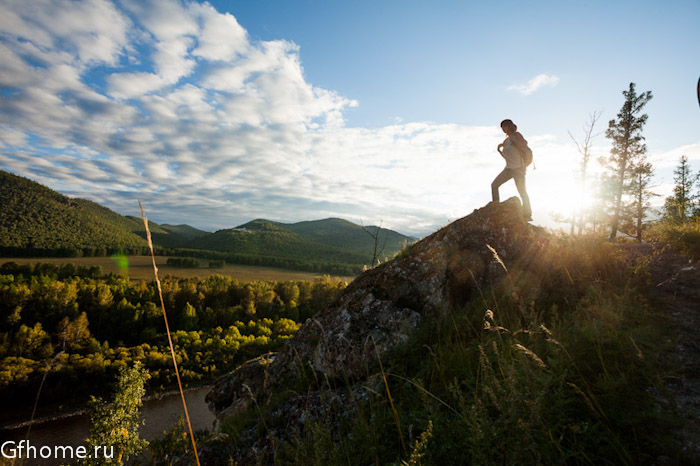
column 527, row 156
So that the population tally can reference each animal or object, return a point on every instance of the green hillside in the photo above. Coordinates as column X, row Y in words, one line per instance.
column 262, row 238
column 37, row 220
column 166, row 236
column 339, row 233
column 185, row 232
column 35, row 217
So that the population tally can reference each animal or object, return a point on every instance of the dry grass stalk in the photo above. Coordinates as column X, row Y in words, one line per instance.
column 167, row 330
column 531, row 355
column 497, row 257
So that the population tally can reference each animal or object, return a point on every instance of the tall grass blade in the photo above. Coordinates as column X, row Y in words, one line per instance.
column 167, row 331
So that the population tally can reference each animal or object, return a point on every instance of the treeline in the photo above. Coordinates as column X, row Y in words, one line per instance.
column 332, row 268
column 9, row 251
column 79, row 328
column 316, row 266
column 190, row 262
column 58, row 271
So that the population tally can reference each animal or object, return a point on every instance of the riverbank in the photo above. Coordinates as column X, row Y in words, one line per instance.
column 77, row 411
column 159, row 414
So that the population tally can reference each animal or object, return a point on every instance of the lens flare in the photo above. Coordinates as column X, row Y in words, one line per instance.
column 122, row 262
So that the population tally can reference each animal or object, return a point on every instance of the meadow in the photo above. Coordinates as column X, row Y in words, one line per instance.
column 141, row 268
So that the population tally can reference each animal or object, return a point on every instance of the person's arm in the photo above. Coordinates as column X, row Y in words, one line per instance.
column 500, row 150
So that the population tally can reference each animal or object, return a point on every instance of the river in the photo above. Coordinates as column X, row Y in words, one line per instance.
column 159, row 414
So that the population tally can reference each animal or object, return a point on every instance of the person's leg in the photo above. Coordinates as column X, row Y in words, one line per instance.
column 519, row 177
column 502, row 177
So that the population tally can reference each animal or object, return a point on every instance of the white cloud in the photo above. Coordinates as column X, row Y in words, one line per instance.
column 221, row 38
column 174, row 103
column 93, row 31
column 672, row 158
column 535, row 83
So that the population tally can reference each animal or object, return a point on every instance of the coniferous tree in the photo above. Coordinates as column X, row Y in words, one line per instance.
column 683, row 204
column 627, row 146
column 640, row 190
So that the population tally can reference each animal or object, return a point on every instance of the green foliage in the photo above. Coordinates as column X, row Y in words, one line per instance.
column 173, row 445
column 628, row 147
column 75, row 334
column 188, row 262
column 115, row 425
column 217, row 264
column 684, row 237
column 104, row 324
column 680, row 226
column 683, row 205
column 303, row 262
column 35, row 217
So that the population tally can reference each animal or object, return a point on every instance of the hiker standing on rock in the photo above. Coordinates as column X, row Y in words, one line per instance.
column 512, row 149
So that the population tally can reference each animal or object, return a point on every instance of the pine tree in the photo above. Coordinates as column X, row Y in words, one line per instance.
column 627, row 146
column 683, row 204
column 640, row 189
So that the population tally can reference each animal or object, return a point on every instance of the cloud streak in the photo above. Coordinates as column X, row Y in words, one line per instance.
column 539, row 81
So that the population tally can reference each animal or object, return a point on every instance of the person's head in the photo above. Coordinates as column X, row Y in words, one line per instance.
column 508, row 126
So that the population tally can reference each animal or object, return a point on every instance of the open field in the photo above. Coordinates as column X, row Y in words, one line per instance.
column 141, row 268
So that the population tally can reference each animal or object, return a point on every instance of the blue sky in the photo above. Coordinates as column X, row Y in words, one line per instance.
column 217, row 113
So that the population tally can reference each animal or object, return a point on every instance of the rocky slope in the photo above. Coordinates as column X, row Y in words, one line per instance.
column 379, row 310
column 675, row 286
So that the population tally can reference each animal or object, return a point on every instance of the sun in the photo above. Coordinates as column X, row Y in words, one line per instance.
column 560, row 199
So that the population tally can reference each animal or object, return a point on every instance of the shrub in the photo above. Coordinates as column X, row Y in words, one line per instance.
column 189, row 262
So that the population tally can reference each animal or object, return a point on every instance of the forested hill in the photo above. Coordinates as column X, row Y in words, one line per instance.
column 166, row 236
column 341, row 233
column 330, row 240
column 37, row 221
column 36, row 218
column 265, row 239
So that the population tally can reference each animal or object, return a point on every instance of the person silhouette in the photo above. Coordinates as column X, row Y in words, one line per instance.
column 511, row 150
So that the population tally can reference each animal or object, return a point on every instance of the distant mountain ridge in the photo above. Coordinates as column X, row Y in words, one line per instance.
column 330, row 240
column 343, row 234
column 35, row 220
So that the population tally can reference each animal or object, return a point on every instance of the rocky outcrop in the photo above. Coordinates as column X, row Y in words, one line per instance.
column 383, row 307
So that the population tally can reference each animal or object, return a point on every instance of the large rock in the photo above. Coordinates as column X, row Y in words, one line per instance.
column 383, row 306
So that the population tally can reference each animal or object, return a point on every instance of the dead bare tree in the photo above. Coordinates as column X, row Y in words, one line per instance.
column 377, row 251
column 584, row 148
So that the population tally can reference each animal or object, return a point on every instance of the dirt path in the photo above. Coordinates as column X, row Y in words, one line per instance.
column 676, row 284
